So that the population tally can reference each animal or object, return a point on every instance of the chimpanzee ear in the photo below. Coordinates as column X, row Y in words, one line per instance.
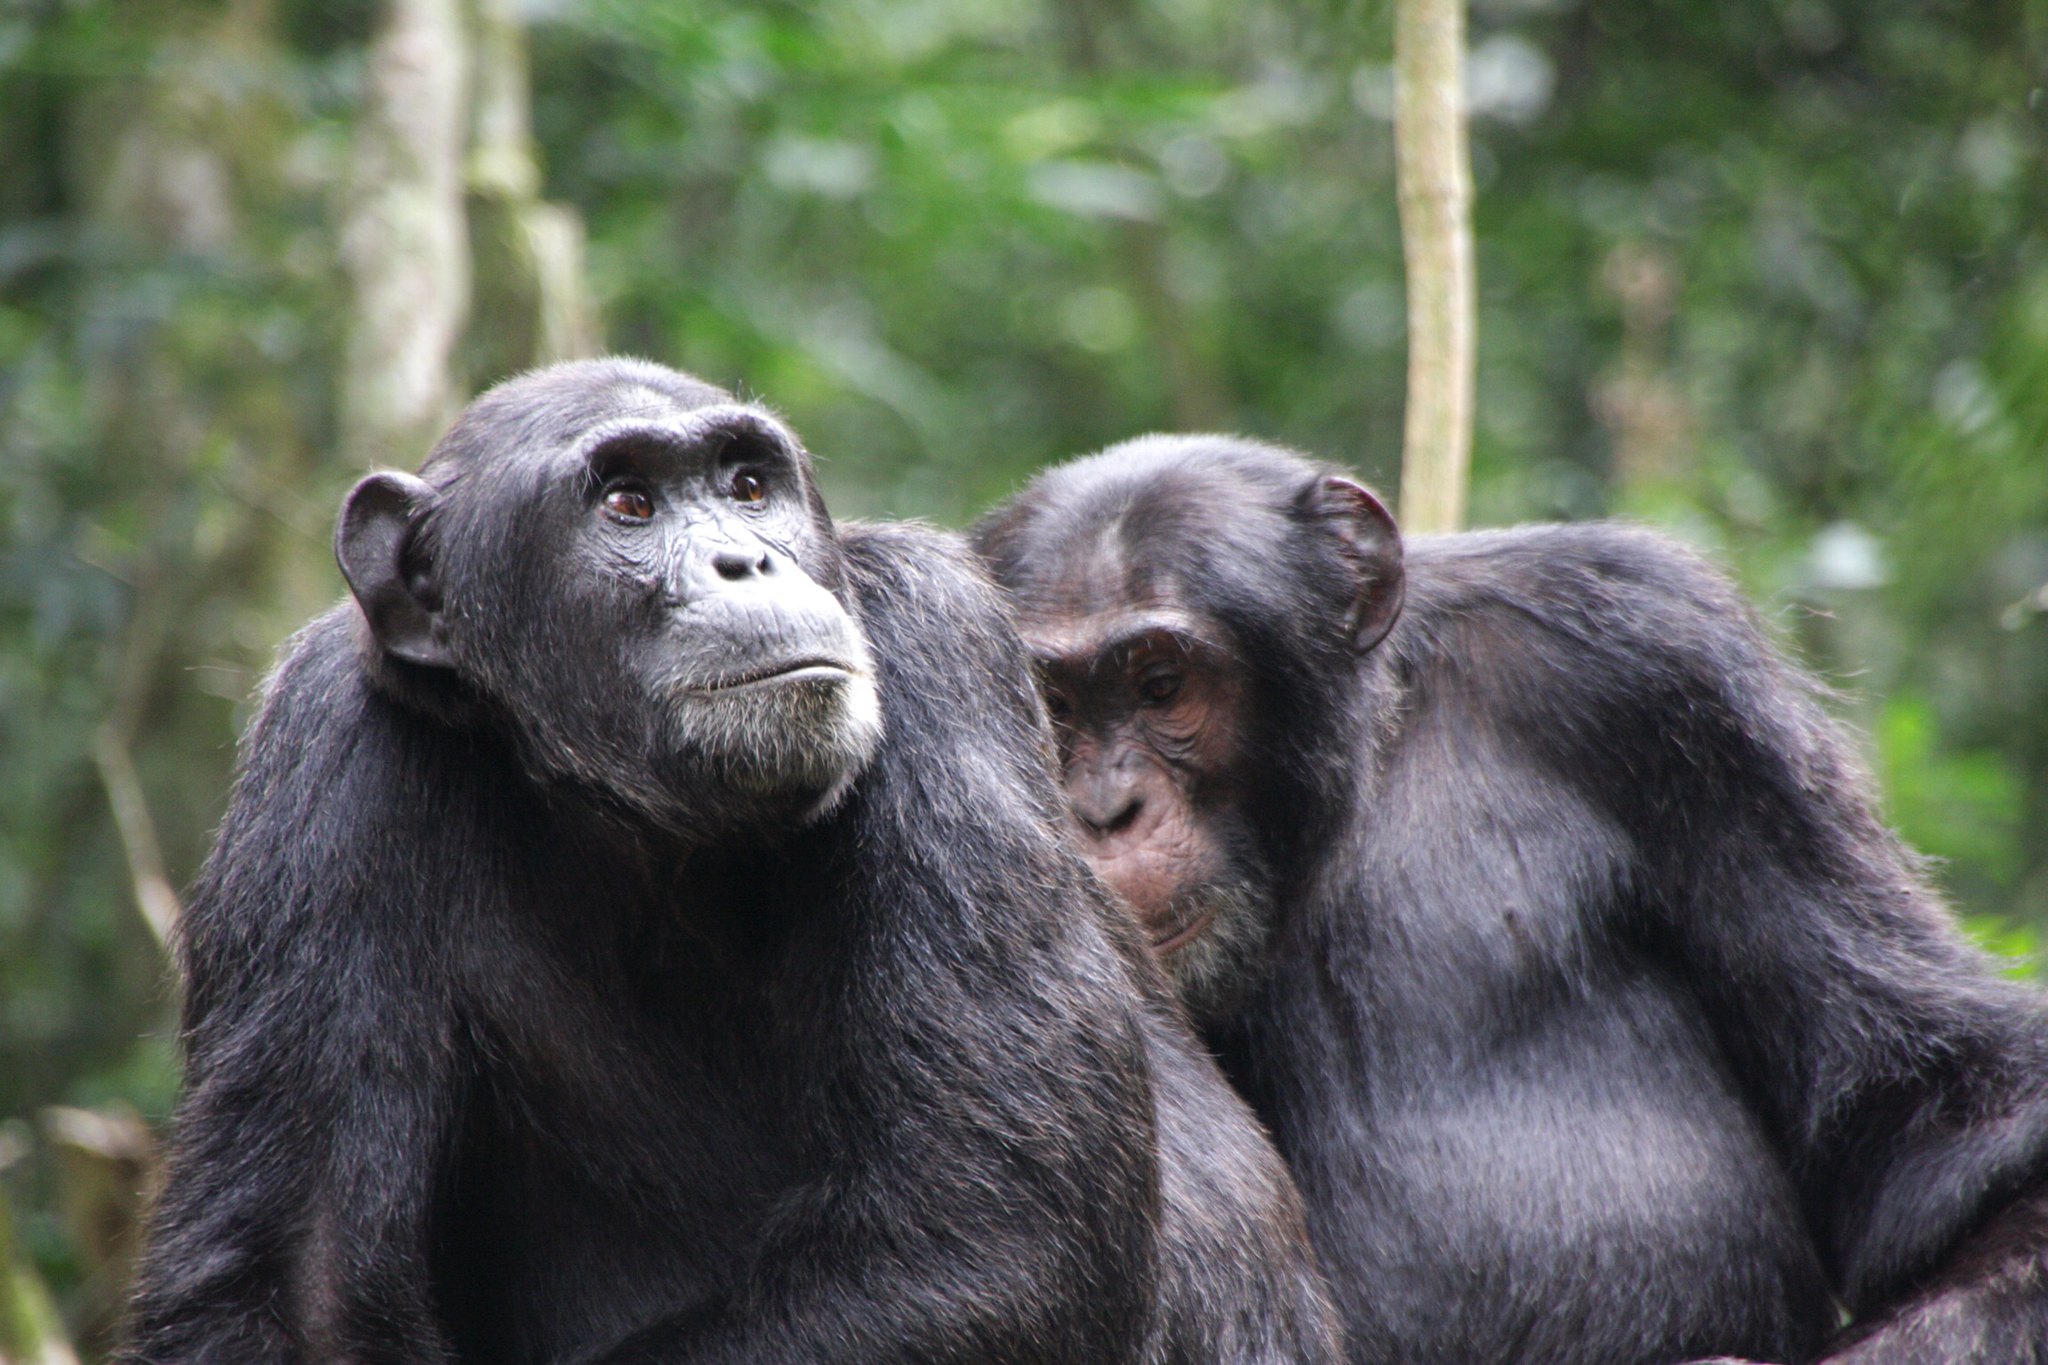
column 375, row 544
column 1371, row 545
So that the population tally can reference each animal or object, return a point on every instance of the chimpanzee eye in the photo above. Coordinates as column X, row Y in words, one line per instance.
column 629, row 502
column 748, row 487
column 1159, row 686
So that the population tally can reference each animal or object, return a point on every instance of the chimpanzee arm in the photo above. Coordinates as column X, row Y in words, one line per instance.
column 1906, row 1083
column 1987, row 1302
column 321, row 1085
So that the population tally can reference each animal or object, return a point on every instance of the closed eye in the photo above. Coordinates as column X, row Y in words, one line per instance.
column 1160, row 685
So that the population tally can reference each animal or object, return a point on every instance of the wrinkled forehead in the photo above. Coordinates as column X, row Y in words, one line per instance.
column 1156, row 570
column 1163, row 544
column 1088, row 570
column 534, row 419
column 615, row 386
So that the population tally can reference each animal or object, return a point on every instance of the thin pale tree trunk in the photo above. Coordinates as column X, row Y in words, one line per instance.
column 406, row 239
column 531, row 300
column 1434, row 169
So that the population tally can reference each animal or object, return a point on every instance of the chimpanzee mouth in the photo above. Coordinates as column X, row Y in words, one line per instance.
column 795, row 670
column 1186, row 934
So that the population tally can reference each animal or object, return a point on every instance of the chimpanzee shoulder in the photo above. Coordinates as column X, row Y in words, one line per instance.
column 924, row 591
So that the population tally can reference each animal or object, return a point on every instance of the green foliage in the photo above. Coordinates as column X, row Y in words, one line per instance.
column 1958, row 805
column 1961, row 808
column 2019, row 946
column 963, row 245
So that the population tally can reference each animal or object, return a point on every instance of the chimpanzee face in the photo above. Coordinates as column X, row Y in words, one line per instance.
column 1185, row 605
column 643, row 586
column 1152, row 709
column 1150, row 714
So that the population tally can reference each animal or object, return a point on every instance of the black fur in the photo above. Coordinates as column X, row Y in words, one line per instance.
column 1598, row 1017
column 488, row 1066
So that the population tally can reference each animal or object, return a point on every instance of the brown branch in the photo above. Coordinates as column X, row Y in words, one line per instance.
column 1193, row 385
column 155, row 897
column 113, row 754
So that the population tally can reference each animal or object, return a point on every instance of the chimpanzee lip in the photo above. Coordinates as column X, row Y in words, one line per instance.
column 794, row 670
column 1186, row 934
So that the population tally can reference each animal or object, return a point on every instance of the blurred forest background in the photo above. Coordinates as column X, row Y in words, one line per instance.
column 1772, row 275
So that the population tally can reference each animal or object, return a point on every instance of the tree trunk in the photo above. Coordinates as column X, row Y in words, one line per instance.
column 532, row 304
column 1434, row 171
column 1636, row 399
column 406, row 239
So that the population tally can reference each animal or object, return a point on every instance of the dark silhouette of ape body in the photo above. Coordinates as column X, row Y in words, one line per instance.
column 1544, row 920
column 640, row 933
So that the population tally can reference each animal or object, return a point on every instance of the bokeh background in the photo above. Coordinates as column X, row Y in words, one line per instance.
column 1771, row 275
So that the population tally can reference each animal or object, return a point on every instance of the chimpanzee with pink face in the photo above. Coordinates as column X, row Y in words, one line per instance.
column 1536, row 904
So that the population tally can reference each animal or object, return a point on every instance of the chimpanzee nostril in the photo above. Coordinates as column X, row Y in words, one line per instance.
column 733, row 566
column 1124, row 818
column 1108, row 817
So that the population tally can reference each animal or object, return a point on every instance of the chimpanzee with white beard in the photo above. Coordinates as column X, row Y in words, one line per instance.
column 1536, row 905
column 641, row 932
